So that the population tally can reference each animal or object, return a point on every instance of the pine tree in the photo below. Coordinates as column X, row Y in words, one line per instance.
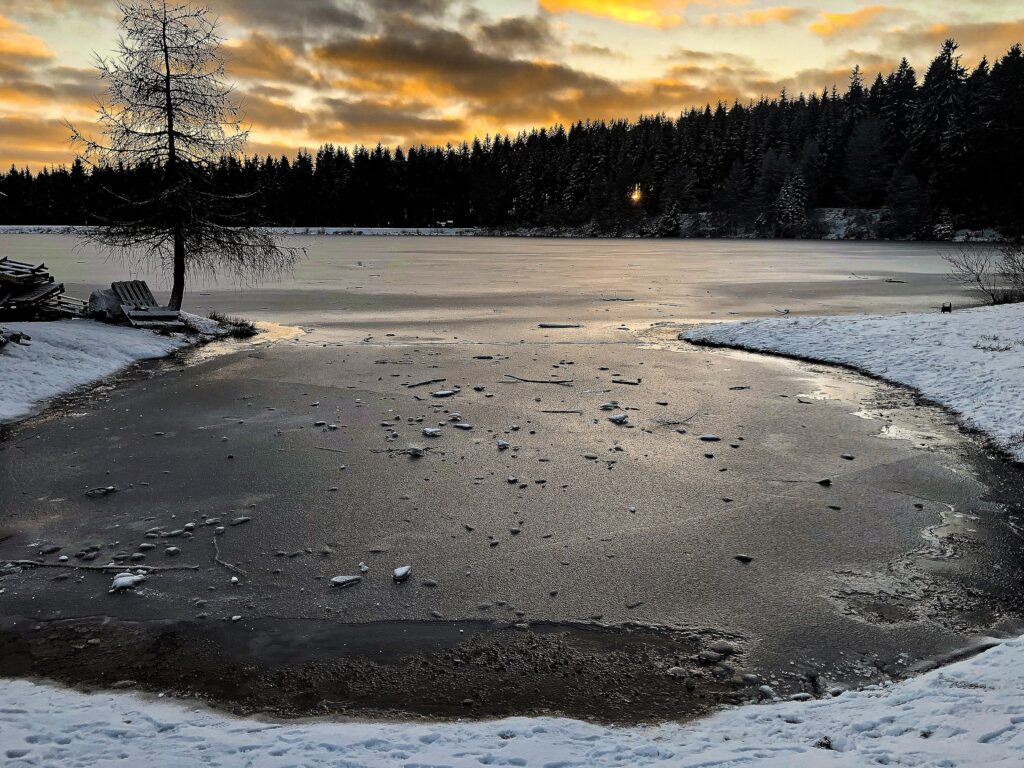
column 791, row 207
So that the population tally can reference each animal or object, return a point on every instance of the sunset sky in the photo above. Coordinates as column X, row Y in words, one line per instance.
column 432, row 71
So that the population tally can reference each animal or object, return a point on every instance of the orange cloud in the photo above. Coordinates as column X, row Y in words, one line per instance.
column 15, row 43
column 756, row 18
column 648, row 13
column 830, row 24
column 977, row 39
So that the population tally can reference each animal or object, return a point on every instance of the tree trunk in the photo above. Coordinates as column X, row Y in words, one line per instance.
column 178, row 280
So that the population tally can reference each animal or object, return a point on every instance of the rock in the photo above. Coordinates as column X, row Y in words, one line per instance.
column 710, row 657
column 443, row 393
column 137, row 557
column 105, row 306
column 49, row 550
column 825, row 483
column 345, row 581
column 462, row 425
column 743, row 558
column 503, row 445
column 172, row 551
column 431, row 432
column 710, row 438
column 611, row 406
column 319, row 423
column 240, row 521
column 679, row 672
column 125, row 581
column 236, row 618
column 219, row 530
column 402, row 573
column 801, row 697
column 429, row 583
column 722, row 647
column 619, row 418
column 364, row 568
column 766, row 691
column 847, row 456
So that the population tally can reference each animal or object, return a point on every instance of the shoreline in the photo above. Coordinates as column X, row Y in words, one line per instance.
column 552, row 233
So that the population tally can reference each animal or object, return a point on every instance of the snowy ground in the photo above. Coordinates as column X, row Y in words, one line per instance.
column 971, row 361
column 968, row 714
column 68, row 354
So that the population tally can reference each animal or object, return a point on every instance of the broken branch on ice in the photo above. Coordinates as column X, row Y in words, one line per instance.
column 110, row 567
column 563, row 382
column 218, row 561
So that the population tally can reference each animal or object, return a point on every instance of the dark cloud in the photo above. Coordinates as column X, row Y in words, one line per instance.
column 389, row 122
column 447, row 63
column 269, row 113
column 519, row 34
column 434, row 8
column 281, row 16
column 264, row 58
column 589, row 49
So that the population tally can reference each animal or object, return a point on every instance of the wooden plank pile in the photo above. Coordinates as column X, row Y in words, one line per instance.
column 29, row 292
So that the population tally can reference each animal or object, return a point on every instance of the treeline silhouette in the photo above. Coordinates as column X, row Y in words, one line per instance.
column 926, row 156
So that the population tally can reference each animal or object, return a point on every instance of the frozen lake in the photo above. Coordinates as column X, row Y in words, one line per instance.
column 543, row 536
column 443, row 285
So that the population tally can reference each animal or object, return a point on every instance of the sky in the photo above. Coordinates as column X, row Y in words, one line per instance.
column 406, row 72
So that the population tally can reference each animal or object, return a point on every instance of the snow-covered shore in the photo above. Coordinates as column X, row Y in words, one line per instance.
column 970, row 361
column 967, row 714
column 69, row 354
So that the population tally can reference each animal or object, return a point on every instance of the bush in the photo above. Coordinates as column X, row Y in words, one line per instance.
column 994, row 271
column 237, row 327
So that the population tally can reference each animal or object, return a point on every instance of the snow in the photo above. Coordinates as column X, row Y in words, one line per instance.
column 970, row 361
column 967, row 714
column 68, row 354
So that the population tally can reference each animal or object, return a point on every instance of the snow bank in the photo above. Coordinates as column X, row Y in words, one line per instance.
column 68, row 354
column 967, row 714
column 971, row 361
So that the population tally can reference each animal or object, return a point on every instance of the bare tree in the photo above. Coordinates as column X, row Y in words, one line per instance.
column 996, row 272
column 168, row 114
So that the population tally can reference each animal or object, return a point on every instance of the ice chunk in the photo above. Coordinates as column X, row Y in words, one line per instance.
column 125, row 581
column 345, row 581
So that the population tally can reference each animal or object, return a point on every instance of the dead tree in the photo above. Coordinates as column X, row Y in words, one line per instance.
column 168, row 115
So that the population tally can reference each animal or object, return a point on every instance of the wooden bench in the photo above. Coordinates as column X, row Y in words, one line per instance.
column 140, row 307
